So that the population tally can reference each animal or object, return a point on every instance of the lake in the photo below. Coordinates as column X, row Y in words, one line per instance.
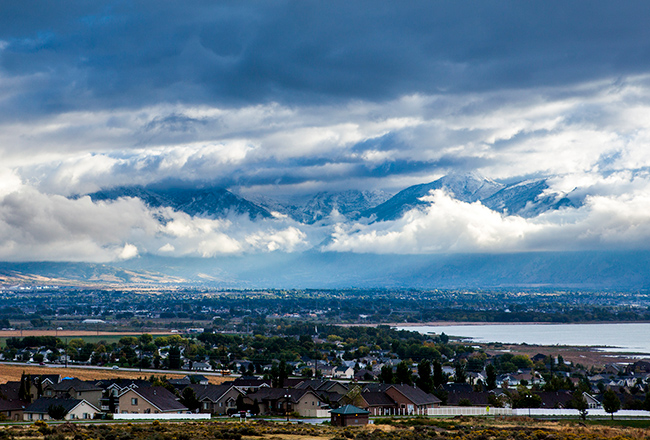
column 616, row 337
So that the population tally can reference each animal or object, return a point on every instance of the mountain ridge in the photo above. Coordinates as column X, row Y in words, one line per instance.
column 526, row 198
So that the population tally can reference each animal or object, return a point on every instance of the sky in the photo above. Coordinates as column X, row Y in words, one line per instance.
column 288, row 98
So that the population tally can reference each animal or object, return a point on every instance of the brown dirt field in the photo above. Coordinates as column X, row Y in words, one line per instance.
column 578, row 355
column 13, row 373
column 23, row 333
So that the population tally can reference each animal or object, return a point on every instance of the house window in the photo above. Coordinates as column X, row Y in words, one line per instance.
column 134, row 400
column 86, row 416
column 206, row 405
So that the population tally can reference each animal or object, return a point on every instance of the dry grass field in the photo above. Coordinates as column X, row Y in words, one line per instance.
column 402, row 429
column 13, row 373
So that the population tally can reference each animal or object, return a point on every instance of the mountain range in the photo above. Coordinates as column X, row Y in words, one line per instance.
column 527, row 198
column 315, row 268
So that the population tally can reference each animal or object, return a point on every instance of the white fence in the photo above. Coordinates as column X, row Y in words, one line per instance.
column 535, row 412
column 161, row 416
column 316, row 413
column 451, row 411
column 469, row 411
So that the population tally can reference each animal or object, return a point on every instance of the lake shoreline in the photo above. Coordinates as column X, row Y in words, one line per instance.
column 474, row 323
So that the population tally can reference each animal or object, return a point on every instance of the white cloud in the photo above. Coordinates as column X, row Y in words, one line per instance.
column 129, row 251
column 451, row 226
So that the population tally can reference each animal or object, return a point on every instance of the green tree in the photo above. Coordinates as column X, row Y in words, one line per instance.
column 646, row 401
column 25, row 388
column 460, row 376
column 403, row 373
column 239, row 403
column 491, row 380
column 188, row 398
column 439, row 377
column 579, row 402
column 611, row 404
column 425, row 382
column 386, row 374
column 524, row 398
column 174, row 358
column 127, row 341
column 57, row 412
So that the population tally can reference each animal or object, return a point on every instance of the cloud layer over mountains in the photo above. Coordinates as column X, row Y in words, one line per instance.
column 280, row 102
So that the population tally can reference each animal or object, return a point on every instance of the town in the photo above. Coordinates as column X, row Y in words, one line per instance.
column 304, row 371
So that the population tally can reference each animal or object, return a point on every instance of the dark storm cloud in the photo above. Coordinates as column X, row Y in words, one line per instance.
column 71, row 55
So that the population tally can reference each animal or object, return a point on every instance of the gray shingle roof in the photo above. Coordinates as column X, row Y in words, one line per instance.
column 161, row 398
column 41, row 406
column 416, row 395
column 209, row 392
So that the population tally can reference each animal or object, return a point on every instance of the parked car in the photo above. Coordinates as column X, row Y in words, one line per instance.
column 242, row 414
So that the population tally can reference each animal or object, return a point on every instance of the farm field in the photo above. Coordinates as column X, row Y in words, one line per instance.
column 13, row 373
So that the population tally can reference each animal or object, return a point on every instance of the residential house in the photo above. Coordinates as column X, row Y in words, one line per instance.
column 76, row 409
column 323, row 385
column 592, row 402
column 364, row 374
column 411, row 399
column 216, row 399
column 284, row 401
column 75, row 389
column 343, row 372
column 377, row 403
column 113, row 388
column 251, row 384
column 555, row 399
column 151, row 400
column 12, row 409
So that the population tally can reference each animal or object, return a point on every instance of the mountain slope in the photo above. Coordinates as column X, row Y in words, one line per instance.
column 210, row 202
column 349, row 203
column 527, row 199
column 467, row 188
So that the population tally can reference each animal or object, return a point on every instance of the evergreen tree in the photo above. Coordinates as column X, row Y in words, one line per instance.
column 284, row 373
column 438, row 376
column 386, row 374
column 579, row 402
column 646, row 401
column 491, row 380
column 424, row 382
column 461, row 377
column 403, row 373
column 39, row 386
column 188, row 398
column 174, row 358
column 256, row 408
column 21, row 388
column 239, row 403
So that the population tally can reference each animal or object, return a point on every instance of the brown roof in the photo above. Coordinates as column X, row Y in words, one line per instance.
column 416, row 395
column 377, row 398
column 161, row 398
